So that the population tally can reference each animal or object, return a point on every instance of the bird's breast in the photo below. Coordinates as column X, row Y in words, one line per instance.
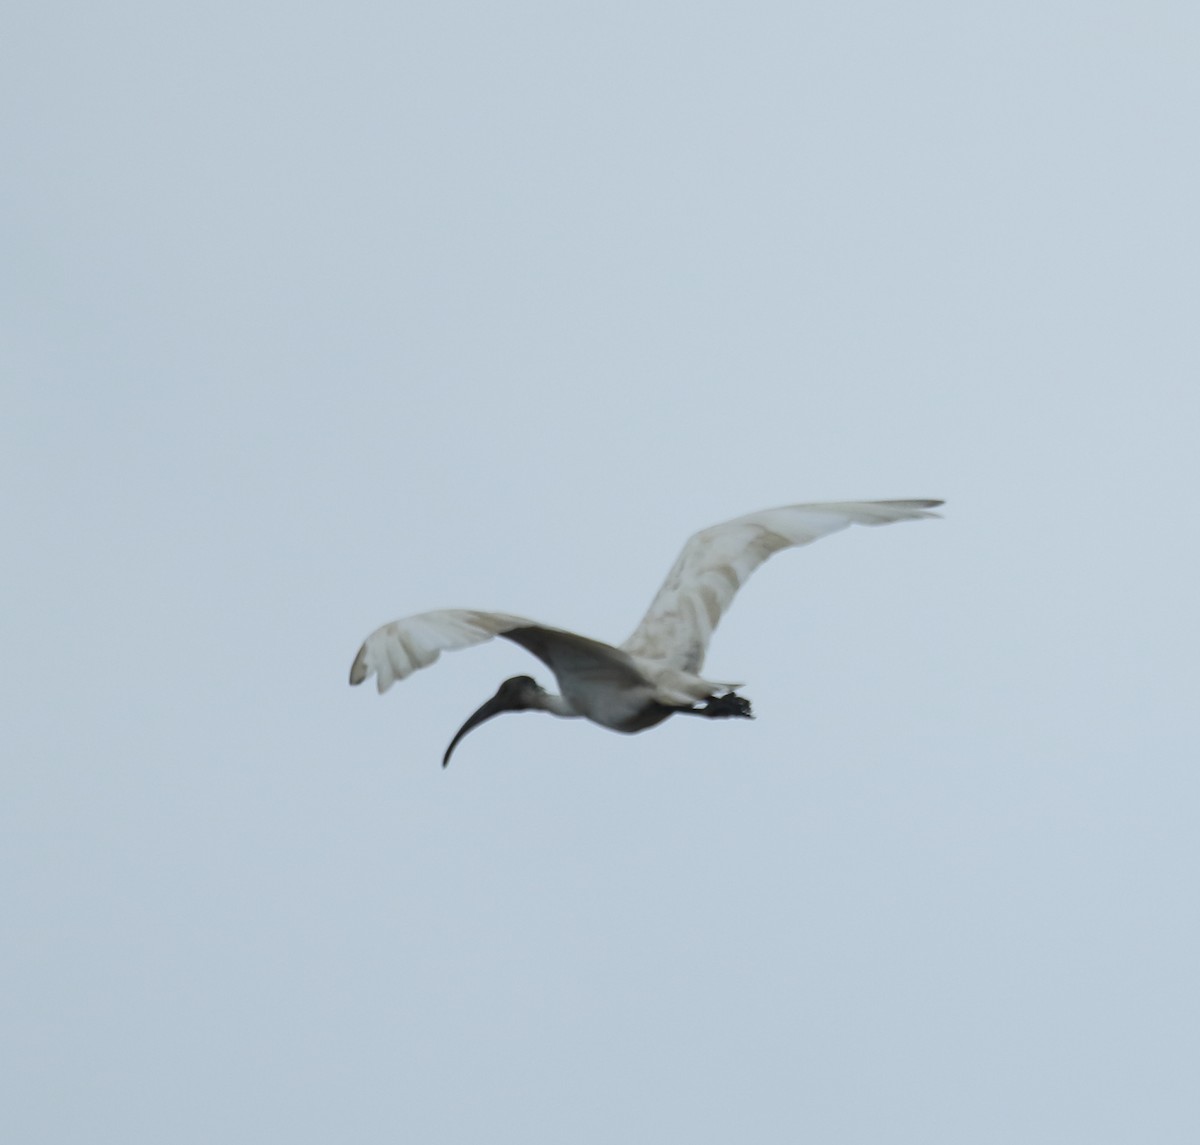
column 620, row 708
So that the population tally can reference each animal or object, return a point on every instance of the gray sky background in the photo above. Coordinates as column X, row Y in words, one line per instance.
column 319, row 316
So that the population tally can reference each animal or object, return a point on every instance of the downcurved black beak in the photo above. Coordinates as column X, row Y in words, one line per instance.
column 502, row 701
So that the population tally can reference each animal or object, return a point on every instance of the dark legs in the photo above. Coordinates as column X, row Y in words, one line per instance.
column 721, row 707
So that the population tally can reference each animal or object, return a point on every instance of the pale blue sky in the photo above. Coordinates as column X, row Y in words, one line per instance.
column 319, row 316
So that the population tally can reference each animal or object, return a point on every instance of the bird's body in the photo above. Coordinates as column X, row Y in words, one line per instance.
column 653, row 674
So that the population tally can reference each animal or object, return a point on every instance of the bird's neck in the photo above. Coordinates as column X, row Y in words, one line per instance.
column 556, row 705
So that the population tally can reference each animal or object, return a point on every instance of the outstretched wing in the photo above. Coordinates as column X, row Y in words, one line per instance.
column 717, row 561
column 398, row 649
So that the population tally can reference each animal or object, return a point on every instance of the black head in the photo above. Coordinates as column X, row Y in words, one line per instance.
column 514, row 695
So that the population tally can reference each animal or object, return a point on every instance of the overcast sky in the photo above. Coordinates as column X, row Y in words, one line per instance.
column 317, row 316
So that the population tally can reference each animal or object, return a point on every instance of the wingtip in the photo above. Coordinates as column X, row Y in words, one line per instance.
column 917, row 502
column 918, row 508
column 358, row 670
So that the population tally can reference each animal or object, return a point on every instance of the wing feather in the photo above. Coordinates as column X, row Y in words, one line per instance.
column 401, row 648
column 717, row 561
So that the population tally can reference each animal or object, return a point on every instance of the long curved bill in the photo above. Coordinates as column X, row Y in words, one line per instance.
column 497, row 704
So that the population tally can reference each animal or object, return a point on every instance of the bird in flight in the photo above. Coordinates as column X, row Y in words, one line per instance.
column 655, row 673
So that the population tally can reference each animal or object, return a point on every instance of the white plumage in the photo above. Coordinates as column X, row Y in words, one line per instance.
column 654, row 673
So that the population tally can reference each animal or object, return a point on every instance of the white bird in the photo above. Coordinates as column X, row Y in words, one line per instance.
column 654, row 674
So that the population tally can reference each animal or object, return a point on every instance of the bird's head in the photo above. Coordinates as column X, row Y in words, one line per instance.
column 514, row 695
